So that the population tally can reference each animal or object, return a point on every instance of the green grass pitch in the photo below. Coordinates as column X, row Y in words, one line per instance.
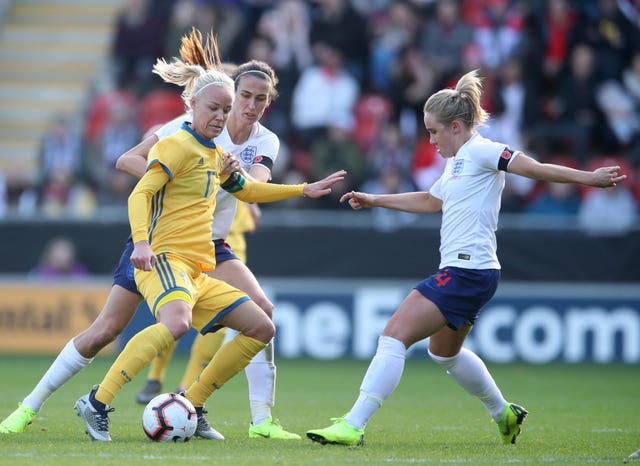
column 579, row 414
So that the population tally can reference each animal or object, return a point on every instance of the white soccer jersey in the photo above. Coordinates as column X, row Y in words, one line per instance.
column 470, row 189
column 261, row 146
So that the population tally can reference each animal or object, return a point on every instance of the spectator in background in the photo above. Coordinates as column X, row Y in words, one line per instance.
column 184, row 15
column 631, row 10
column 607, row 212
column 59, row 260
column 230, row 25
column 516, row 193
column 337, row 23
column 60, row 149
column 372, row 112
column 555, row 198
column 444, row 39
column 573, row 122
column 390, row 180
column 613, row 37
column 412, row 81
column 623, row 121
column 631, row 79
column 472, row 60
column 63, row 195
column 138, row 41
column 20, row 194
column 61, row 186
column 393, row 32
column 324, row 96
column 337, row 151
column 391, row 150
column 223, row 16
column 284, row 43
column 119, row 134
column 631, row 83
column 497, row 31
column 558, row 26
column 513, row 106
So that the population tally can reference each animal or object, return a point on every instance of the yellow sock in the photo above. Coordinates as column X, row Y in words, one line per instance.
column 140, row 350
column 227, row 362
column 202, row 352
column 158, row 367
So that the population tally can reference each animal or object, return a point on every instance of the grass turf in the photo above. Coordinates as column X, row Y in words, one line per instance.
column 579, row 414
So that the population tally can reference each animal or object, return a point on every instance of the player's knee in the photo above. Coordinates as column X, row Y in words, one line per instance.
column 178, row 328
column 262, row 330
column 266, row 305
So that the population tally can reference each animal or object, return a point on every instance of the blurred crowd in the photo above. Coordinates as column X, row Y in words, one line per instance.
column 561, row 81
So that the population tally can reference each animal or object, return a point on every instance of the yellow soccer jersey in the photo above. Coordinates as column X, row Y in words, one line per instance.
column 180, row 189
column 172, row 205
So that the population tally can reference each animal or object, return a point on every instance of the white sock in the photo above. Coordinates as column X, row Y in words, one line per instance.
column 261, row 376
column 469, row 371
column 382, row 378
column 68, row 363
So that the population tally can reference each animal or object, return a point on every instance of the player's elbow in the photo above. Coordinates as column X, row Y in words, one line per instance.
column 121, row 163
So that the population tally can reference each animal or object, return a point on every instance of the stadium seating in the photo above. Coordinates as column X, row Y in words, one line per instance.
column 159, row 107
column 50, row 53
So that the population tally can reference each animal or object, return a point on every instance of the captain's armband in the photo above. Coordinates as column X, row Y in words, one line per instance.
column 505, row 158
column 234, row 183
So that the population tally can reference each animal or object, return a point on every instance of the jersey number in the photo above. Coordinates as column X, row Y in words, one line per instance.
column 210, row 174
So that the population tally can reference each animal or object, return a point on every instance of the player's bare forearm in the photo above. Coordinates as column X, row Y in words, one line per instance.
column 414, row 202
column 602, row 177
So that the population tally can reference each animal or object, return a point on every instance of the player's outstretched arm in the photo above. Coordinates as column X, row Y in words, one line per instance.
column 254, row 191
column 323, row 187
column 603, row 177
column 415, row 202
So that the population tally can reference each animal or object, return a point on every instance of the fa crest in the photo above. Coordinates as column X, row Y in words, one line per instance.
column 458, row 166
column 248, row 154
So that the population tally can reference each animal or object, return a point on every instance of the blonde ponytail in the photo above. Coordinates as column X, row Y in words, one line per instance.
column 461, row 103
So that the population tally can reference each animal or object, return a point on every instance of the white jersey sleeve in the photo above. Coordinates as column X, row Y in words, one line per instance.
column 171, row 127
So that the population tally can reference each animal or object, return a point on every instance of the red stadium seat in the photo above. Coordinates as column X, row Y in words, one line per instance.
column 371, row 112
column 159, row 107
column 98, row 112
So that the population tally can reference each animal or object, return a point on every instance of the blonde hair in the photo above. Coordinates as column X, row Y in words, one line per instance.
column 198, row 68
column 461, row 103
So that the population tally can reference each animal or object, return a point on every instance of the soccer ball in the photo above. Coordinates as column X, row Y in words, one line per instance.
column 169, row 418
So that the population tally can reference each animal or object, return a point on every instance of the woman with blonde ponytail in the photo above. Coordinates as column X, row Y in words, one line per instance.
column 183, row 176
column 445, row 305
column 170, row 213
column 256, row 149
